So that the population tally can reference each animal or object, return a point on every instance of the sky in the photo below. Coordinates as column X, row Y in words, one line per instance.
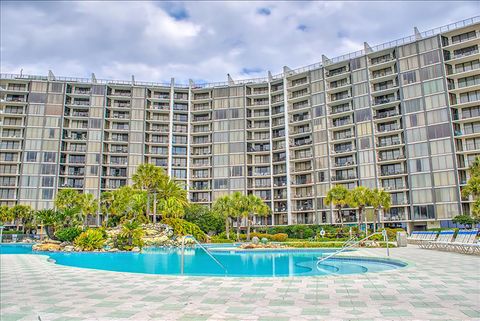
column 201, row 40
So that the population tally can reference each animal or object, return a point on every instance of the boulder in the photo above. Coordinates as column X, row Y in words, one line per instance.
column 51, row 247
column 69, row 248
column 136, row 249
column 255, row 240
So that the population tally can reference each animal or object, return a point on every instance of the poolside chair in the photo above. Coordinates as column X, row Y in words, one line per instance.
column 414, row 237
column 465, row 242
column 428, row 238
column 443, row 240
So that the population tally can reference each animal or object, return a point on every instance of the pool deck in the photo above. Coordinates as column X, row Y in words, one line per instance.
column 436, row 286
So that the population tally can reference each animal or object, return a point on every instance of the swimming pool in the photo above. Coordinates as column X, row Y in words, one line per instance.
column 263, row 263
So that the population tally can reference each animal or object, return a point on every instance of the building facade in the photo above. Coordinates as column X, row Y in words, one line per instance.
column 403, row 116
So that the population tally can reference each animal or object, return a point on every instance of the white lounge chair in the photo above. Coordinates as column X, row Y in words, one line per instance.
column 465, row 242
column 428, row 238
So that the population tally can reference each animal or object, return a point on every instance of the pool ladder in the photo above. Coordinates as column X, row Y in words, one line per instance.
column 182, row 261
column 348, row 244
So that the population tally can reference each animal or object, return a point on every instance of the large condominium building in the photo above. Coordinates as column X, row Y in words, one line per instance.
column 403, row 116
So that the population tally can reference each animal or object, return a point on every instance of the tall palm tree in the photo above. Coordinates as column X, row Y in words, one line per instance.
column 223, row 207
column 256, row 207
column 49, row 218
column 239, row 210
column 147, row 178
column 380, row 199
column 21, row 213
column 359, row 197
column 67, row 197
column 88, row 206
column 338, row 197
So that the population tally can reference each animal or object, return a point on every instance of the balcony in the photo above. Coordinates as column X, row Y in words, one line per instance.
column 381, row 115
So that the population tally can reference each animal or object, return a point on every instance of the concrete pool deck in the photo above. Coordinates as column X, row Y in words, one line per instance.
column 436, row 286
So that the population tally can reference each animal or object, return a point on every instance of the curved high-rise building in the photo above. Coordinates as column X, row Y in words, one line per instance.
column 403, row 116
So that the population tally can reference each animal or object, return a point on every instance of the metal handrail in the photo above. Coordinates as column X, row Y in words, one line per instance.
column 353, row 244
column 182, row 261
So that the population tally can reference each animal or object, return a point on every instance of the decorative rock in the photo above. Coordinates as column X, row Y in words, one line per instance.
column 255, row 240
column 113, row 250
column 136, row 249
column 49, row 241
column 69, row 248
column 46, row 247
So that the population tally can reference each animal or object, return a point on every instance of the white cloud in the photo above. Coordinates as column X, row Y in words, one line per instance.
column 201, row 40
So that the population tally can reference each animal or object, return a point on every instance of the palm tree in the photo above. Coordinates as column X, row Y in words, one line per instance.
column 380, row 199
column 88, row 206
column 337, row 196
column 359, row 197
column 170, row 207
column 106, row 202
column 21, row 213
column 66, row 198
column 256, row 207
column 147, row 178
column 239, row 209
column 223, row 207
column 49, row 219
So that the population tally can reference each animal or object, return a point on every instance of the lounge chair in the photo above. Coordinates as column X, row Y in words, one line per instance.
column 428, row 238
column 465, row 242
column 443, row 240
column 415, row 237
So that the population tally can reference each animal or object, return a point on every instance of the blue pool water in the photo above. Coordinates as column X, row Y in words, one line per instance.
column 265, row 263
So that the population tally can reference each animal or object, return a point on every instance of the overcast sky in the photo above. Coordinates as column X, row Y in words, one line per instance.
column 201, row 40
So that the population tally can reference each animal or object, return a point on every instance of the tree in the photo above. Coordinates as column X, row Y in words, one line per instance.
column 22, row 214
column 466, row 220
column 255, row 207
column 49, row 219
column 130, row 235
column 359, row 197
column 6, row 214
column 209, row 220
column 223, row 207
column 172, row 191
column 380, row 199
column 171, row 208
column 338, row 196
column 147, row 178
column 88, row 206
column 67, row 198
column 239, row 209
column 473, row 187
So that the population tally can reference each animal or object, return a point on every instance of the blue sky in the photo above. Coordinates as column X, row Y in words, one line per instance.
column 201, row 40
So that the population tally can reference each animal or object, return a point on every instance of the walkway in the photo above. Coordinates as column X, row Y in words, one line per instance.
column 439, row 286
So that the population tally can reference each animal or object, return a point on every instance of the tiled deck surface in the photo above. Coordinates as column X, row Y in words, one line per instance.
column 439, row 286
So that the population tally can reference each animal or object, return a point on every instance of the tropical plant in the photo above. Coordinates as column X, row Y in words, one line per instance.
column 359, row 197
column 88, row 205
column 49, row 218
column 6, row 214
column 338, row 197
column 210, row 221
column 181, row 228
column 69, row 217
column 170, row 207
column 240, row 210
column 255, row 207
column 130, row 236
column 224, row 209
column 473, row 187
column 147, row 178
column 380, row 200
column 23, row 215
column 68, row 234
column 91, row 239
column 67, row 198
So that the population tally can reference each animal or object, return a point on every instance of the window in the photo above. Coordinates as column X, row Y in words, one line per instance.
column 413, row 105
column 438, row 131
column 409, row 77
column 49, row 157
column 220, row 183
column 430, row 58
column 31, row 157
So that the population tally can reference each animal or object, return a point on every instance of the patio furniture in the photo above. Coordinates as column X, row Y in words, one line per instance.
column 427, row 239
column 465, row 242
column 443, row 240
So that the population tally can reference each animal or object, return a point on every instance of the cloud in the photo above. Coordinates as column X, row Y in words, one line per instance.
column 200, row 40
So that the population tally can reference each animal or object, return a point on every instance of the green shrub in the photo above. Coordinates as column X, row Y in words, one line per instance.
column 391, row 232
column 68, row 234
column 12, row 232
column 91, row 239
column 182, row 228
column 217, row 239
column 279, row 237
